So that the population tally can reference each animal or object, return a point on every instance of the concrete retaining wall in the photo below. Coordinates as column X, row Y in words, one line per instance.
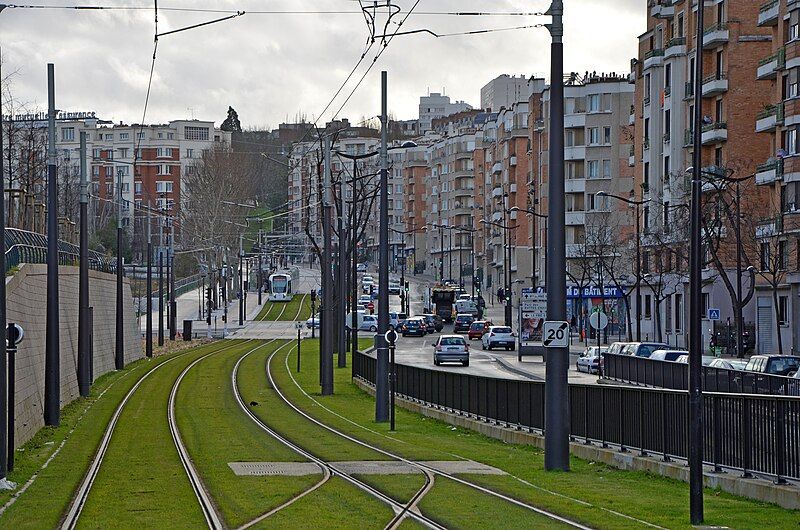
column 26, row 302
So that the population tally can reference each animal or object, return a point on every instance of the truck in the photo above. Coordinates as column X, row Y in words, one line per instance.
column 442, row 299
column 467, row 307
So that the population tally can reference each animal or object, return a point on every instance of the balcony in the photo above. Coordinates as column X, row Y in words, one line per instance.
column 769, row 66
column 769, row 118
column 512, row 161
column 653, row 58
column 632, row 116
column 675, row 47
column 715, row 85
column 575, row 218
column 716, row 34
column 575, row 152
column 497, row 191
column 574, row 186
column 512, row 188
column 688, row 90
column 770, row 171
column 714, row 133
column 497, row 167
column 577, row 120
column 464, row 192
column 632, row 157
column 768, row 14
column 664, row 9
column 688, row 138
column 790, row 170
column 497, row 216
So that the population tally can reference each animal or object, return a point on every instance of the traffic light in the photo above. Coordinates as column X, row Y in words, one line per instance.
column 313, row 295
column 406, row 286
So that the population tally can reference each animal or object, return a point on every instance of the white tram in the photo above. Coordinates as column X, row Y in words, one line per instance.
column 281, row 285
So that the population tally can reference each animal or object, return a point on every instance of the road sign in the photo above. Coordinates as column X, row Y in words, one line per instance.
column 298, row 325
column 598, row 320
column 556, row 334
column 391, row 336
column 714, row 314
column 534, row 305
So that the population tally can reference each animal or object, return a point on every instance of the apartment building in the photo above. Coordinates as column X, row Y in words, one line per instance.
column 163, row 154
column 732, row 97
column 503, row 91
column 599, row 229
column 435, row 105
column 778, row 172
column 416, row 172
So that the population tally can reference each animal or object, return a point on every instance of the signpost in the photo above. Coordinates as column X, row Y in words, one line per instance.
column 299, row 326
column 714, row 314
column 598, row 320
column 391, row 339
column 556, row 334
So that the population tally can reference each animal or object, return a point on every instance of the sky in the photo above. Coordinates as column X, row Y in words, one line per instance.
column 274, row 68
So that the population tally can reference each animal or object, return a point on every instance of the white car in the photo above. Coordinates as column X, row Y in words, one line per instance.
column 590, row 360
column 370, row 323
column 499, row 337
column 313, row 322
column 364, row 299
column 361, row 267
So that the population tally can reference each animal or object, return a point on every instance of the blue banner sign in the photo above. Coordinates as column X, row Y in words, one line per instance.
column 593, row 292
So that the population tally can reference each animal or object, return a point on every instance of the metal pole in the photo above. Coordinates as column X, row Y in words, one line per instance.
column 342, row 281
column 556, row 452
column 161, row 295
column 260, row 272
column 119, row 349
column 441, row 254
column 739, row 317
column 241, row 283
column 6, row 399
column 149, row 322
column 638, row 274
column 326, row 332
column 392, row 382
column 695, row 286
column 382, row 365
column 173, row 303
column 52, row 360
column 84, row 382
column 354, row 270
column 12, row 391
column 298, row 347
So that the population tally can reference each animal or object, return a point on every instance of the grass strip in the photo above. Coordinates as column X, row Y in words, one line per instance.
column 399, row 487
column 142, row 482
column 274, row 311
column 50, row 493
column 656, row 499
column 216, row 431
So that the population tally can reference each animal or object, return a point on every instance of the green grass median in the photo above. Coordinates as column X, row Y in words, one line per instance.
column 287, row 311
column 592, row 493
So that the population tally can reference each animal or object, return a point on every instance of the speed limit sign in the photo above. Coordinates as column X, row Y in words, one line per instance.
column 555, row 334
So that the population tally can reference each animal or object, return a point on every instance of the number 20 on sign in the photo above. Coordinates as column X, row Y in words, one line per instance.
column 555, row 334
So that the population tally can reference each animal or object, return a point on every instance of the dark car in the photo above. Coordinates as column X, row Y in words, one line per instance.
column 435, row 322
column 462, row 323
column 413, row 326
column 773, row 364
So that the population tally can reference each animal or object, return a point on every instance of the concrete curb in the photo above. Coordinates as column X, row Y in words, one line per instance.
column 518, row 371
column 785, row 496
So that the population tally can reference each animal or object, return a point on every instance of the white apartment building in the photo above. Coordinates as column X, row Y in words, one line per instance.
column 436, row 105
column 503, row 91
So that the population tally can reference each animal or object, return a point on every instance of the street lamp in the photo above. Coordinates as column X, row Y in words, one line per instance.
column 535, row 215
column 637, row 205
column 405, row 304
column 506, row 268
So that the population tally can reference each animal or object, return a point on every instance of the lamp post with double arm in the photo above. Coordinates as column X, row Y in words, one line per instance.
column 506, row 267
column 637, row 205
column 534, row 215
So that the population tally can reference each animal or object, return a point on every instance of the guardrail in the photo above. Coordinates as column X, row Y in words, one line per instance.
column 752, row 433
column 23, row 246
column 675, row 376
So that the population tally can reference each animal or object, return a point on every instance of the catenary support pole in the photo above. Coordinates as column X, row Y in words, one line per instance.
column 328, row 311
column 5, row 397
column 382, row 365
column 695, row 295
column 173, row 303
column 241, row 282
column 52, row 357
column 342, row 280
column 161, row 292
column 84, row 382
column 149, row 323
column 119, row 329
column 354, row 269
column 556, row 451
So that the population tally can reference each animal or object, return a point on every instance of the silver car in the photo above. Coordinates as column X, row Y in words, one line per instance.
column 451, row 348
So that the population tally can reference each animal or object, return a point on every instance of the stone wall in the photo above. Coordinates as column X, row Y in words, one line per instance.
column 26, row 302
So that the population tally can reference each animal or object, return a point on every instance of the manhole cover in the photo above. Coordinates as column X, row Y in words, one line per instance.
column 294, row 469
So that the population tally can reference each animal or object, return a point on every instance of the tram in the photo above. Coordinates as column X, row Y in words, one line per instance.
column 281, row 285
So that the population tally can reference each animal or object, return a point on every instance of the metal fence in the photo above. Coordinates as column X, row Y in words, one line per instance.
column 667, row 374
column 756, row 434
column 23, row 246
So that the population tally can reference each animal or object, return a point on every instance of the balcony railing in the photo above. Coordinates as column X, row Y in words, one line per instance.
column 688, row 90
column 688, row 137
column 715, row 126
column 779, row 56
column 715, row 27
column 771, row 110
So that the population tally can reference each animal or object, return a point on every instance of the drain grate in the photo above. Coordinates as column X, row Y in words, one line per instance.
column 291, row 469
column 368, row 467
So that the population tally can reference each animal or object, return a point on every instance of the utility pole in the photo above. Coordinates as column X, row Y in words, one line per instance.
column 695, row 295
column 382, row 365
column 84, row 371
column 328, row 311
column 556, row 441
column 342, row 280
column 5, row 398
column 52, row 356
column 173, row 304
column 119, row 350
column 241, row 282
column 354, row 269
column 149, row 325
column 161, row 287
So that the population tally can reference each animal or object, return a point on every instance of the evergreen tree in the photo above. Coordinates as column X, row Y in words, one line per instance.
column 231, row 123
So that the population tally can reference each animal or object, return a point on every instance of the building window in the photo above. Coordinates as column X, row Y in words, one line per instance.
column 668, row 314
column 606, row 169
column 646, row 216
column 96, row 153
column 646, row 176
column 594, row 136
column 765, row 256
column 140, row 136
column 197, row 133
column 793, row 27
column 68, row 134
column 190, row 153
column 647, row 309
column 667, row 76
column 123, row 136
column 170, row 136
column 123, row 171
column 666, row 217
column 705, row 303
column 109, row 189
column 164, row 186
column 126, row 187
column 606, row 135
column 783, row 255
column 783, row 310
column 593, row 103
column 678, row 312
column 790, row 141
column 592, row 169
column 164, row 169
column 645, row 262
column 123, row 152
column 164, row 152
column 96, row 171
column 137, row 188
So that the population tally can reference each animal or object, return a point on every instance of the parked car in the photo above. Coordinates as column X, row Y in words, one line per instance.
column 478, row 328
column 499, row 336
column 773, row 364
column 463, row 322
column 667, row 355
column 643, row 349
column 313, row 322
column 361, row 267
column 413, row 326
column 393, row 320
column 394, row 288
column 370, row 323
column 617, row 347
column 591, row 360
column 364, row 299
column 451, row 348
column 435, row 322
column 707, row 359
column 728, row 364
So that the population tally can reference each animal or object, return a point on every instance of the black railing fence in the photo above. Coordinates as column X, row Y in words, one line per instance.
column 672, row 375
column 23, row 246
column 753, row 433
